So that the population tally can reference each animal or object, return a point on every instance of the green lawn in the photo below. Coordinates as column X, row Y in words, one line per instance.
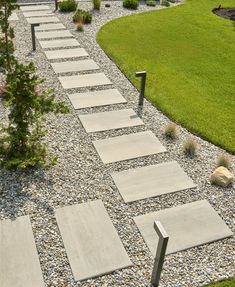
column 189, row 55
column 226, row 283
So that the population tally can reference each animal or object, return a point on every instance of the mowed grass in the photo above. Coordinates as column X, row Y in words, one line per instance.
column 189, row 55
column 226, row 283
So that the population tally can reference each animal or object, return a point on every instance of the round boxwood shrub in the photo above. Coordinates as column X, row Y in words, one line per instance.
column 68, row 5
column 165, row 3
column 86, row 15
column 131, row 4
column 151, row 3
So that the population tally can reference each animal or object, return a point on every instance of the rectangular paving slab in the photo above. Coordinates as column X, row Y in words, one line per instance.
column 81, row 81
column 128, row 147
column 187, row 225
column 53, row 34
column 38, row 14
column 110, row 120
column 52, row 26
column 96, row 98
column 66, row 53
column 90, row 239
column 151, row 181
column 62, row 43
column 19, row 263
column 34, row 8
column 13, row 17
column 74, row 66
column 39, row 20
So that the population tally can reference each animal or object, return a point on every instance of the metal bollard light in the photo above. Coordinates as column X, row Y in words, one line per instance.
column 160, row 254
column 56, row 5
column 33, row 35
column 143, row 76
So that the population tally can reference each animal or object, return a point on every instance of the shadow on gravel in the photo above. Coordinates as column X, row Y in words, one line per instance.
column 22, row 192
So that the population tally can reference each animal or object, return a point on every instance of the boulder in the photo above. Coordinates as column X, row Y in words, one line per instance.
column 221, row 176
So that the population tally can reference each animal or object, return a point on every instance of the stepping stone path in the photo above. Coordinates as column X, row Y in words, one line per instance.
column 91, row 241
column 150, row 181
column 74, row 66
column 65, row 54
column 188, row 225
column 19, row 263
column 95, row 99
column 128, row 147
column 110, row 120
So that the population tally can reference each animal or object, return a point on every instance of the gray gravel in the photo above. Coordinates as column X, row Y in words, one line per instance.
column 80, row 176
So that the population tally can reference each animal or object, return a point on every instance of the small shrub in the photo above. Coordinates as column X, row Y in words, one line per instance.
column 190, row 147
column 86, row 15
column 131, row 4
column 171, row 131
column 171, row 1
column 223, row 160
column 67, row 6
column 96, row 4
column 151, row 3
column 165, row 3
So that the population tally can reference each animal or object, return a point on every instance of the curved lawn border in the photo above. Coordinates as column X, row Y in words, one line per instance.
column 188, row 53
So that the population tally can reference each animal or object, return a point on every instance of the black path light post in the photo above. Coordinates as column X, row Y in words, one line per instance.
column 143, row 76
column 33, row 35
column 56, row 5
column 160, row 253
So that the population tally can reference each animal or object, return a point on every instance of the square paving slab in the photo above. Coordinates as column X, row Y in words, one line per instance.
column 188, row 225
column 38, row 14
column 81, row 81
column 43, row 20
column 62, row 43
column 97, row 98
column 34, row 8
column 110, row 120
column 128, row 147
column 54, row 34
column 45, row 27
column 150, row 181
column 91, row 241
column 74, row 66
column 19, row 263
column 67, row 53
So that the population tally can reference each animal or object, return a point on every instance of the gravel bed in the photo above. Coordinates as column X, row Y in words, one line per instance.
column 80, row 176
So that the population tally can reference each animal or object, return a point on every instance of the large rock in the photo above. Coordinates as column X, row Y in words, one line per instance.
column 221, row 176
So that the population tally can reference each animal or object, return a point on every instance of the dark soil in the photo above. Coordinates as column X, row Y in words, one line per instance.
column 228, row 13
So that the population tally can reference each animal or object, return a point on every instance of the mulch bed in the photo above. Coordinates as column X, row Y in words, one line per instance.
column 228, row 13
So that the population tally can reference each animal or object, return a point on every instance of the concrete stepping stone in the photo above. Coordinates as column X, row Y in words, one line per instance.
column 45, row 27
column 62, row 43
column 188, row 225
column 74, row 66
column 91, row 241
column 19, row 263
column 54, row 34
column 34, row 8
column 104, row 121
column 128, row 147
column 13, row 17
column 151, row 181
column 81, row 81
column 96, row 99
column 42, row 20
column 65, row 54
column 38, row 14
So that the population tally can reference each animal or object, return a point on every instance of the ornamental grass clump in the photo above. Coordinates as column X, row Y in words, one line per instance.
column 22, row 138
column 96, row 4
column 190, row 147
column 170, row 131
column 223, row 160
column 85, row 15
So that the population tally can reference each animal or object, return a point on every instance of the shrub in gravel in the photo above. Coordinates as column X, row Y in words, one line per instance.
column 170, row 131
column 96, row 4
column 190, row 147
column 165, row 3
column 26, row 103
column 80, row 26
column 151, row 3
column 131, row 4
column 86, row 15
column 171, row 1
column 223, row 160
column 68, row 5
